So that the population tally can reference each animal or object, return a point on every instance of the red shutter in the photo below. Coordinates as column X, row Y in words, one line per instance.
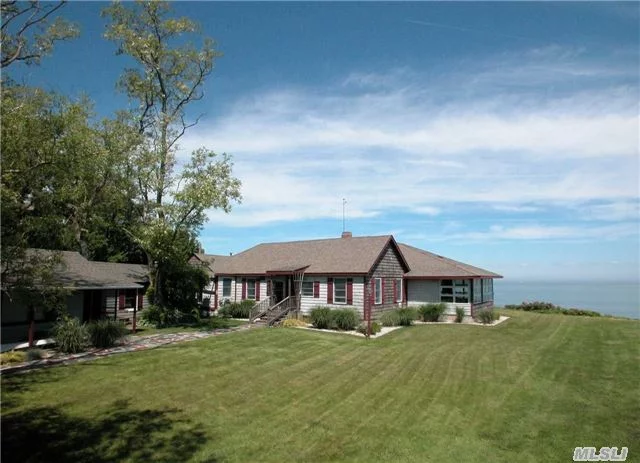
column 257, row 290
column 349, row 291
column 316, row 289
column 244, row 289
column 140, row 295
column 329, row 290
column 382, row 290
column 395, row 290
column 121, row 300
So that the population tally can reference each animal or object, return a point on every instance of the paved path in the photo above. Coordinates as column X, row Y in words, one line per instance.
column 130, row 344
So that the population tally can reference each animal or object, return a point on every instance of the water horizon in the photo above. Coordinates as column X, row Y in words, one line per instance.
column 609, row 297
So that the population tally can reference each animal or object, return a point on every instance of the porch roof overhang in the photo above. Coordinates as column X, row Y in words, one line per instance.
column 287, row 271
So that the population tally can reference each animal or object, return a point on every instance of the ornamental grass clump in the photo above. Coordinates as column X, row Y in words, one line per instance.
column 345, row 319
column 390, row 318
column 486, row 316
column 106, row 333
column 322, row 318
column 459, row 314
column 70, row 335
column 431, row 312
column 406, row 316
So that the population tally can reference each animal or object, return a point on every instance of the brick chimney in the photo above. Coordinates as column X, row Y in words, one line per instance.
column 346, row 234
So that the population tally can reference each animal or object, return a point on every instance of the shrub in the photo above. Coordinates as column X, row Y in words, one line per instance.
column 431, row 312
column 548, row 307
column 159, row 317
column 375, row 328
column 322, row 318
column 105, row 333
column 216, row 323
column 459, row 314
column 345, row 319
column 70, row 335
column 486, row 316
column 238, row 309
column 14, row 356
column 406, row 316
column 35, row 354
column 390, row 318
column 292, row 322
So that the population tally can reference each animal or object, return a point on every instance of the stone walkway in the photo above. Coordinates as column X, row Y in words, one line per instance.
column 130, row 344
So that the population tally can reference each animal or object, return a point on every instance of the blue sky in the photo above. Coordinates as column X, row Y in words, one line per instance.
column 504, row 135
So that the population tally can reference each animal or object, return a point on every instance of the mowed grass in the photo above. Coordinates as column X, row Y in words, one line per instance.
column 530, row 389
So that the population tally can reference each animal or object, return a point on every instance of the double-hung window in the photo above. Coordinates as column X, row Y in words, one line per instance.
column 226, row 287
column 398, row 289
column 307, row 288
column 339, row 291
column 377, row 291
column 251, row 289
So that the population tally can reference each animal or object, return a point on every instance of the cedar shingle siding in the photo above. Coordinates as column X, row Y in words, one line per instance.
column 389, row 267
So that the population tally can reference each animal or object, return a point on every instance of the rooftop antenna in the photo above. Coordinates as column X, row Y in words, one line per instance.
column 344, row 203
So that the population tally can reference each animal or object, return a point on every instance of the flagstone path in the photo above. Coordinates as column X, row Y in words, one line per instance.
column 130, row 344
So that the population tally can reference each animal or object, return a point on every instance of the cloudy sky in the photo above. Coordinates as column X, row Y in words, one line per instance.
column 502, row 134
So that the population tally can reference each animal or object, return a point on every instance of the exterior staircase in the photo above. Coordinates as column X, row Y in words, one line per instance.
column 271, row 315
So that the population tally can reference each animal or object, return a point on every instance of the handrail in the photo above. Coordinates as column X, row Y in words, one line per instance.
column 260, row 308
column 291, row 303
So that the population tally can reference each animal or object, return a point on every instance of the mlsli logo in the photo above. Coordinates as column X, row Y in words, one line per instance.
column 605, row 454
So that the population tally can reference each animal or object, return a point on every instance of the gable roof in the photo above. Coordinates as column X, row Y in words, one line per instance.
column 76, row 272
column 425, row 264
column 353, row 255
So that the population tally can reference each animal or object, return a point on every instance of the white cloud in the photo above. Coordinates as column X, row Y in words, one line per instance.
column 543, row 232
column 394, row 145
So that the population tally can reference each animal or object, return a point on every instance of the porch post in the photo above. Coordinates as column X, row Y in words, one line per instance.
column 135, row 309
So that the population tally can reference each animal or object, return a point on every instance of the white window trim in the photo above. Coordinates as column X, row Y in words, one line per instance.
column 399, row 289
column 377, row 295
column 302, row 289
column 230, row 280
column 335, row 285
column 251, row 284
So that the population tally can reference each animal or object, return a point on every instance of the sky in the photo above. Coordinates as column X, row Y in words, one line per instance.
column 504, row 135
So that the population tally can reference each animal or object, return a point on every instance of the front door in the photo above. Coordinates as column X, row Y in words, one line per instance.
column 278, row 291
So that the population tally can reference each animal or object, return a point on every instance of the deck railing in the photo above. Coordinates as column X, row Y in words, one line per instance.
column 260, row 308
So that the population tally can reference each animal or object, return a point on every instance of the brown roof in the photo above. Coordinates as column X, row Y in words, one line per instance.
column 74, row 271
column 355, row 255
column 425, row 264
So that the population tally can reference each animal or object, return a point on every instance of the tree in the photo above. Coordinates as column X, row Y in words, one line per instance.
column 168, row 77
column 28, row 33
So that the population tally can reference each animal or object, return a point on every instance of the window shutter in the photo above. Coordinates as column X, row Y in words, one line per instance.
column 121, row 295
column 382, row 290
column 349, row 291
column 258, row 289
column 316, row 289
column 244, row 289
column 329, row 290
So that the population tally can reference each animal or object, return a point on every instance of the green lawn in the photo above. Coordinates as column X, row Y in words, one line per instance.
column 530, row 389
column 145, row 331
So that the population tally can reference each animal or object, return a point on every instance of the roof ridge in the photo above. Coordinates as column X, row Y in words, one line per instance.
column 321, row 239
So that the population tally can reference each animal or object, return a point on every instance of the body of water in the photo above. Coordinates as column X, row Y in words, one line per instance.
column 612, row 298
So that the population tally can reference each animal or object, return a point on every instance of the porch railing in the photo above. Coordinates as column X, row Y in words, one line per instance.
column 260, row 308
column 281, row 309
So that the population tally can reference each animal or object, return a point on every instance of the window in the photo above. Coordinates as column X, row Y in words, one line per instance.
column 251, row 289
column 226, row 287
column 130, row 298
column 454, row 291
column 398, row 289
column 487, row 290
column 307, row 288
column 339, row 291
column 477, row 290
column 377, row 291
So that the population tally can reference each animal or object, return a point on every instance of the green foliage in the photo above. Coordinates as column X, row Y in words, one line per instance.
column 432, row 312
column 35, row 354
column 216, row 323
column 237, row 309
column 375, row 328
column 322, row 318
column 459, row 314
column 11, row 357
column 390, row 318
column 182, row 283
column 406, row 316
column 159, row 317
column 106, row 333
column 293, row 322
column 486, row 316
column 345, row 319
column 547, row 307
column 70, row 335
